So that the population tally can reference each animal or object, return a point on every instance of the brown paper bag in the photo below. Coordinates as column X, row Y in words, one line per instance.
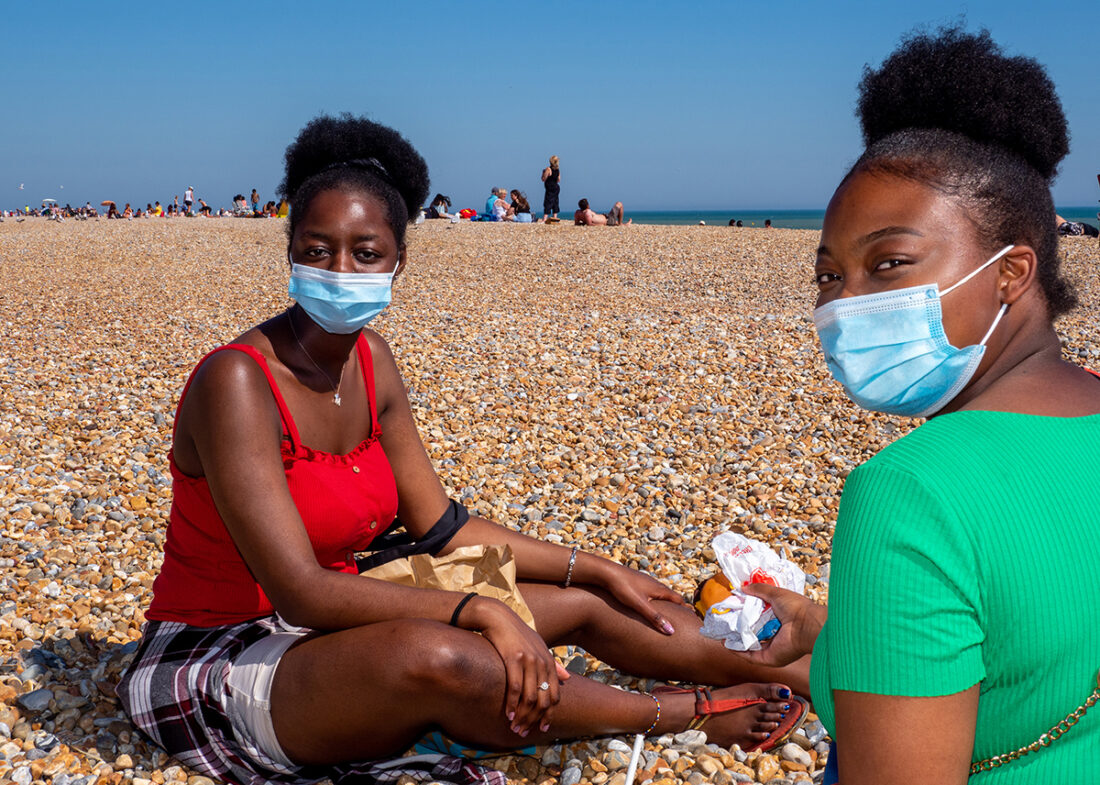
column 490, row 570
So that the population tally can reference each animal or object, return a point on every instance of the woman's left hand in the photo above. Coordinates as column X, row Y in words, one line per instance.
column 638, row 591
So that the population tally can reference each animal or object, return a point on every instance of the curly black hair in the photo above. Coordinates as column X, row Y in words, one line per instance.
column 953, row 112
column 354, row 153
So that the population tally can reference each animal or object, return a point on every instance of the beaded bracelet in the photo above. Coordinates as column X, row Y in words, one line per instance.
column 460, row 606
column 649, row 730
column 572, row 561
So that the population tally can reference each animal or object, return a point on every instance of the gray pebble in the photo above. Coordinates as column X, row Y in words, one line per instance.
column 570, row 776
column 37, row 700
column 621, row 746
column 22, row 776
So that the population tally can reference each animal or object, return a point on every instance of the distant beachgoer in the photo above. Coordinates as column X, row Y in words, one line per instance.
column 204, row 208
column 733, row 222
column 1074, row 228
column 256, row 203
column 188, row 199
column 767, row 223
column 496, row 206
column 128, row 212
column 739, row 223
column 283, row 210
column 586, row 216
column 440, row 206
column 521, row 208
column 551, row 181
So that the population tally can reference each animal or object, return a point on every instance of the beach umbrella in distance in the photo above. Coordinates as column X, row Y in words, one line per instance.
column 49, row 200
column 106, row 203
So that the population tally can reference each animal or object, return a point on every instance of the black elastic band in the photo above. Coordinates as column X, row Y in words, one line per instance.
column 460, row 606
column 372, row 165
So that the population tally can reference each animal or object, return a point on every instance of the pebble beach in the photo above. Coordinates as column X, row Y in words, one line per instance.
column 633, row 390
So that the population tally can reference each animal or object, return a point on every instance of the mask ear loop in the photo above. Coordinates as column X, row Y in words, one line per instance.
column 995, row 257
column 992, row 327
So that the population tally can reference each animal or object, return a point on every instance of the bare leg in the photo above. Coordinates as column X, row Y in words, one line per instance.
column 597, row 622
column 371, row 691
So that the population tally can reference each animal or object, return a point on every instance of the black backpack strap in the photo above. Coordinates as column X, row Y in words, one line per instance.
column 398, row 545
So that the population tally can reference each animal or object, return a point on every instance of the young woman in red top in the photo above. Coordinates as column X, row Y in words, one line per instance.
column 265, row 656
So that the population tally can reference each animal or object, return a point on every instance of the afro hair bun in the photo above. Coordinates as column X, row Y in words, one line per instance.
column 328, row 140
column 964, row 83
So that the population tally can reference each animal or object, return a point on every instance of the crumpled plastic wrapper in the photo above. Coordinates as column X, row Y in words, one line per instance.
column 739, row 619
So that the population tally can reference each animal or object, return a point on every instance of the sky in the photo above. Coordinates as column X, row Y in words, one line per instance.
column 663, row 105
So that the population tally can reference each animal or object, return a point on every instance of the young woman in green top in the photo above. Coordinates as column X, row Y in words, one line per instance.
column 964, row 615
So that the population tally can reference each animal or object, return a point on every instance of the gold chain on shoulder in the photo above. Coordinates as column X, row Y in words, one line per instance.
column 1046, row 739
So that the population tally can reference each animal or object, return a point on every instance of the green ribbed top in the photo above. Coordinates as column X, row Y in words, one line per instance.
column 969, row 551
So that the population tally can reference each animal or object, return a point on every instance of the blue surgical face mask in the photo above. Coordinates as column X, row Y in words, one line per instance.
column 890, row 352
column 340, row 303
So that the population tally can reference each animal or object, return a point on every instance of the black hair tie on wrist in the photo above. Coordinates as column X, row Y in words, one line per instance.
column 460, row 606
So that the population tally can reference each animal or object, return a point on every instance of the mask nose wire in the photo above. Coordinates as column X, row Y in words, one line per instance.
column 974, row 272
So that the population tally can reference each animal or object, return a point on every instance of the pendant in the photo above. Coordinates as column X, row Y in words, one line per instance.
column 336, row 399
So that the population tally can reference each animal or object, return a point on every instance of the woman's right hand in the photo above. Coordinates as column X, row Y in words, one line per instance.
column 802, row 620
column 527, row 664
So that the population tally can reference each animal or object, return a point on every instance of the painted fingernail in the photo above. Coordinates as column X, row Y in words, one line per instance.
column 514, row 728
column 666, row 627
column 523, row 733
column 544, row 727
column 786, row 707
column 784, row 692
column 511, row 716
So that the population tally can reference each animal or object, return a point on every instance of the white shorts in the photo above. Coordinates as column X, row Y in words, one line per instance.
column 247, row 698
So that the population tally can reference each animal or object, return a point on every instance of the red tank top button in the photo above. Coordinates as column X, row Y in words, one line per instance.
column 373, row 525
column 355, row 469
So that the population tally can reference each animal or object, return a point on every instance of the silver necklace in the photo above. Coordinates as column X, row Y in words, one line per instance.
column 335, row 387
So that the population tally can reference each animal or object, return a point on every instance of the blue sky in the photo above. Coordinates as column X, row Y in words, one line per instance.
column 663, row 105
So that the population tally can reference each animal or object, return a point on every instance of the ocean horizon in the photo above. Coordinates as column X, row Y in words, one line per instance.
column 785, row 219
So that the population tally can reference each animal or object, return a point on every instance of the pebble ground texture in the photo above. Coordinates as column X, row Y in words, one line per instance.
column 632, row 390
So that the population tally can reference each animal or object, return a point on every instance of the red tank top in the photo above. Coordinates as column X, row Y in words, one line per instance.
column 345, row 501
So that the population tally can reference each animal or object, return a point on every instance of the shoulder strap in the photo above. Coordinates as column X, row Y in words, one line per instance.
column 367, row 366
column 284, row 413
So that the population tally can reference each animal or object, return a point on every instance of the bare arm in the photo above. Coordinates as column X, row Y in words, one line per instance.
column 887, row 739
column 545, row 173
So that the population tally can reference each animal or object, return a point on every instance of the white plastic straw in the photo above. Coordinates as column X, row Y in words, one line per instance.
column 635, row 754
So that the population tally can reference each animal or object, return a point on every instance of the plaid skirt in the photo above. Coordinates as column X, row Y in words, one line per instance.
column 174, row 692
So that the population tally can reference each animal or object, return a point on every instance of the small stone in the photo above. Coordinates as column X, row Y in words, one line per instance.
column 198, row 779
column 766, row 767
column 708, row 765
column 794, row 753
column 616, row 759
column 36, row 700
column 689, row 738
column 22, row 776
column 124, row 762
column 619, row 745
column 570, row 776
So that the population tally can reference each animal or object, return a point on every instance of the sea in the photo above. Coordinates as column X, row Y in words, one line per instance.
column 785, row 219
